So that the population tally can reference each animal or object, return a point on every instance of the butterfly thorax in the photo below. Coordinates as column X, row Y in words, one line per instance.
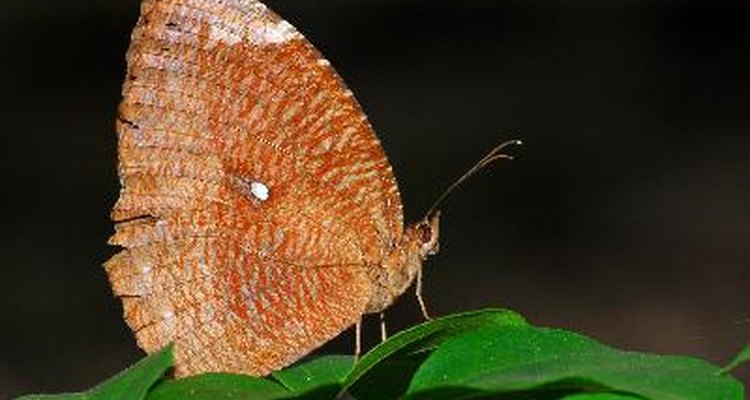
column 399, row 268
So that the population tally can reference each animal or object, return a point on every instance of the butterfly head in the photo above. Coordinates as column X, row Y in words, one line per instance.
column 428, row 235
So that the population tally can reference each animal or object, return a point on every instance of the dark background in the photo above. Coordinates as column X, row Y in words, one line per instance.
column 626, row 215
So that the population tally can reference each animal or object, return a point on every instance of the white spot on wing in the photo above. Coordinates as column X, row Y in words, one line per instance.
column 260, row 191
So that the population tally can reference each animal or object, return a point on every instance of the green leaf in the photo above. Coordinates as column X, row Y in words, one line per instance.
column 528, row 359
column 386, row 370
column 741, row 358
column 219, row 387
column 131, row 384
column 321, row 378
column 477, row 354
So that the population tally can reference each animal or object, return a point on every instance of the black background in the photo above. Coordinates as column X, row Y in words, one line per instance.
column 626, row 215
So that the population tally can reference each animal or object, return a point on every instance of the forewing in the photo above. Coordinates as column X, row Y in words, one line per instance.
column 222, row 97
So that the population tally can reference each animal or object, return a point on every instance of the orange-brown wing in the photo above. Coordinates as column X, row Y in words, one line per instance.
column 228, row 298
column 254, row 190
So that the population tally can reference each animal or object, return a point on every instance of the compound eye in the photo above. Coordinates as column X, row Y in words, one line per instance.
column 424, row 232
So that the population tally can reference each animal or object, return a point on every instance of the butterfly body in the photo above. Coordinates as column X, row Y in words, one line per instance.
column 258, row 216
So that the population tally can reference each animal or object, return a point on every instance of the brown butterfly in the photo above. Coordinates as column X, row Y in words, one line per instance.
column 259, row 216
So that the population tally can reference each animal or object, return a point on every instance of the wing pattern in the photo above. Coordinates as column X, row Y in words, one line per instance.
column 223, row 98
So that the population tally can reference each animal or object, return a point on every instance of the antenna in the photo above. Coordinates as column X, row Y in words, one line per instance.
column 494, row 155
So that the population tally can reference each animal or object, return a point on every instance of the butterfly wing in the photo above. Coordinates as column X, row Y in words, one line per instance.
column 254, row 191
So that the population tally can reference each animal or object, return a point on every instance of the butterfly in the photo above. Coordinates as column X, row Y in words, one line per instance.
column 258, row 216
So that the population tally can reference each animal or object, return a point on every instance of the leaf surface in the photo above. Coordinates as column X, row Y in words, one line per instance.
column 525, row 358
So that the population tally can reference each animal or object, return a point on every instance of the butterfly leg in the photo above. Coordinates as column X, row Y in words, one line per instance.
column 383, row 331
column 420, row 299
